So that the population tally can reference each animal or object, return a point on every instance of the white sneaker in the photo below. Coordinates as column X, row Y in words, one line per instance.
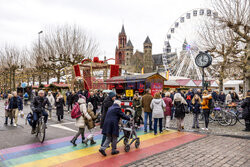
column 14, row 124
column 49, row 118
column 206, row 128
column 203, row 128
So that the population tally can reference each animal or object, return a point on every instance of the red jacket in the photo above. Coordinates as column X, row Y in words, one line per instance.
column 169, row 105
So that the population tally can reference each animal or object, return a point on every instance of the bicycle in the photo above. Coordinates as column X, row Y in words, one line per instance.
column 41, row 128
column 236, row 112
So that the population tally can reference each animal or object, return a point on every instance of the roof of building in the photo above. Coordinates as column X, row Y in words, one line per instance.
column 133, row 78
column 157, row 59
column 147, row 41
column 123, row 30
column 129, row 44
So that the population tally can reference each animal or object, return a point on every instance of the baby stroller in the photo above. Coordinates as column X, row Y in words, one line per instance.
column 129, row 131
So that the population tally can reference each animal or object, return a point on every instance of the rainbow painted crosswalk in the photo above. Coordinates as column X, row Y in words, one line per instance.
column 61, row 153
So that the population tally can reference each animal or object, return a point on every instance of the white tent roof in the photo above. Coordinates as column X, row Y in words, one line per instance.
column 191, row 83
column 234, row 82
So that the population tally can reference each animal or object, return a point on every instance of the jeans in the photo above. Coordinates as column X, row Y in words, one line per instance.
column 155, row 124
column 172, row 112
column 103, row 139
column 80, row 132
column 146, row 115
column 35, row 118
column 112, row 140
column 206, row 113
column 70, row 107
column 196, row 120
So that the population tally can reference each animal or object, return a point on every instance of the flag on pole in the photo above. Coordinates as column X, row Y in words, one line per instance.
column 167, row 74
column 142, row 70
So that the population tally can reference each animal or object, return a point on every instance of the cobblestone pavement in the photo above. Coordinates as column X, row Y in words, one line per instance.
column 214, row 127
column 215, row 151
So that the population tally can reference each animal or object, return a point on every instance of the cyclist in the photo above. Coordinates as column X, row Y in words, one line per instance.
column 38, row 107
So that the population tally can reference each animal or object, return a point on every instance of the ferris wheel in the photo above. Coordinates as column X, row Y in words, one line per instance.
column 182, row 44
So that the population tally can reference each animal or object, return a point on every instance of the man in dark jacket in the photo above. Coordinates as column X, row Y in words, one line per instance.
column 189, row 97
column 16, row 105
column 111, row 127
column 246, row 111
column 38, row 108
column 108, row 102
column 93, row 99
column 146, row 101
column 222, row 97
column 214, row 95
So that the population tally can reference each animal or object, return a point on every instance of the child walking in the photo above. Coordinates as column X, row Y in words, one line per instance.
column 90, row 123
column 196, row 107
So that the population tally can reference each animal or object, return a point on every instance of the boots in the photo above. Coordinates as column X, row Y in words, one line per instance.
column 73, row 141
column 6, row 121
column 85, row 141
column 92, row 142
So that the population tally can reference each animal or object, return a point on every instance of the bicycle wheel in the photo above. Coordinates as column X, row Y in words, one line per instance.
column 41, row 132
column 212, row 116
column 225, row 118
column 234, row 117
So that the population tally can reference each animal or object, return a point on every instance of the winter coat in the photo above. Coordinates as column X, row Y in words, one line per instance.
column 137, row 106
column 246, row 108
column 60, row 103
column 51, row 99
column 215, row 96
column 108, row 102
column 222, row 97
column 80, row 122
column 19, row 102
column 38, row 104
column 189, row 96
column 90, row 122
column 235, row 97
column 228, row 99
column 157, row 106
column 205, row 102
column 179, row 103
column 196, row 107
column 94, row 101
column 146, row 101
column 74, row 98
column 111, row 123
column 168, row 101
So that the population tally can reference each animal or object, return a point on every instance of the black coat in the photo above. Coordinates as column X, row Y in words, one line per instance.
column 39, row 103
column 59, row 106
column 74, row 98
column 108, row 102
column 222, row 97
column 179, row 109
column 246, row 108
column 196, row 107
column 94, row 101
column 111, row 123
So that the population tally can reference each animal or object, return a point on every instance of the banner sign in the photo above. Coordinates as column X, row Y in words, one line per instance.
column 140, row 85
column 114, row 70
column 156, row 87
column 130, row 86
column 77, row 70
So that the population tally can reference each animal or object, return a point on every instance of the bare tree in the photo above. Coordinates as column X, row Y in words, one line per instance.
column 235, row 15
column 10, row 59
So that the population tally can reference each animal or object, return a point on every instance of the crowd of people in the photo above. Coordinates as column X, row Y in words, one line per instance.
column 158, row 110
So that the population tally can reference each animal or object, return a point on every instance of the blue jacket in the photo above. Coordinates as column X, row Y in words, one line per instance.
column 196, row 107
column 111, row 123
column 19, row 103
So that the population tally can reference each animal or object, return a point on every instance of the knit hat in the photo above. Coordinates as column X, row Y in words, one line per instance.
column 112, row 94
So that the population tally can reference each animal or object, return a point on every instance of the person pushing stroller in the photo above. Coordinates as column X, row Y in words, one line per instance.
column 111, row 127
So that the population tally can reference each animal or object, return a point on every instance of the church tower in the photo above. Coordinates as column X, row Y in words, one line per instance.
column 129, row 53
column 120, row 51
column 147, row 56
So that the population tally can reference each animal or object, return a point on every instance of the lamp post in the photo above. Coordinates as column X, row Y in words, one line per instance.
column 39, row 50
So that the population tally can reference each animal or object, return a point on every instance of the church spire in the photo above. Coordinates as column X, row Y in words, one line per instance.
column 123, row 30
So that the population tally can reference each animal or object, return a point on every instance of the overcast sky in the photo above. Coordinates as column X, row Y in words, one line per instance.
column 21, row 20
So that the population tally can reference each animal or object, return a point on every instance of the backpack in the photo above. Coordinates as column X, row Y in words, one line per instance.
column 76, row 113
column 29, row 118
column 188, row 97
column 211, row 104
